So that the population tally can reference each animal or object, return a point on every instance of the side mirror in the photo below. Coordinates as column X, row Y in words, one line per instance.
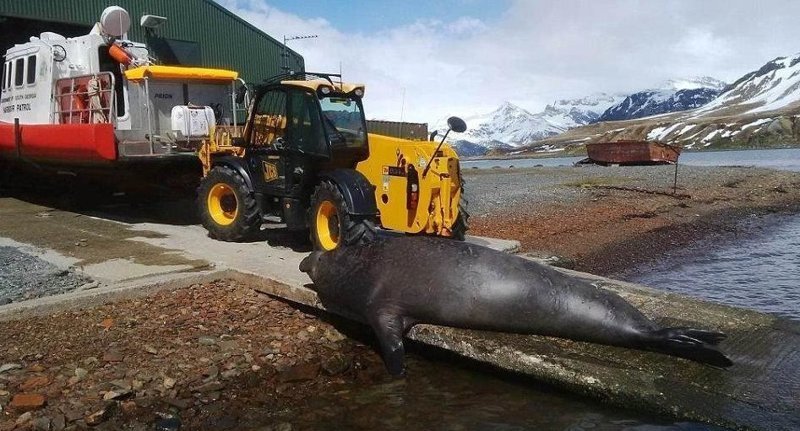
column 456, row 124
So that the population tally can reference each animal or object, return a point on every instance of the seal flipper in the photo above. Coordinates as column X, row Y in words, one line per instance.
column 693, row 344
column 389, row 328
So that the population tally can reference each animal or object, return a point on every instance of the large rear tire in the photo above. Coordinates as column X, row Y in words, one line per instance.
column 228, row 209
column 332, row 224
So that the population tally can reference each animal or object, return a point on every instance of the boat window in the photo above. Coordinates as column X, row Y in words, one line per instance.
column 19, row 71
column 31, row 69
column 5, row 74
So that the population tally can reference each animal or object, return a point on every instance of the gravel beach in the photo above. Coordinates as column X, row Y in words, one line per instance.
column 209, row 356
column 610, row 220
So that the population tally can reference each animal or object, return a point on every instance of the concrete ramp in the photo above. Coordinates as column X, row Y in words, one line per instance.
column 761, row 391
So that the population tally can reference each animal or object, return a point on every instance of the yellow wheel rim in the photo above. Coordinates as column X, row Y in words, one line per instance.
column 222, row 204
column 327, row 225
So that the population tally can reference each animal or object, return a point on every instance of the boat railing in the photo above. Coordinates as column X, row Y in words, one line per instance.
column 85, row 99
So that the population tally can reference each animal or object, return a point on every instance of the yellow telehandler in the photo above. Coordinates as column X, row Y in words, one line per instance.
column 304, row 156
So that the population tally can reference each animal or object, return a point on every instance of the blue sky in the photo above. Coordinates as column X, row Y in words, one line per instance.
column 372, row 16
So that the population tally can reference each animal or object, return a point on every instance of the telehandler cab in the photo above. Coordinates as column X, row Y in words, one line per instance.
column 304, row 157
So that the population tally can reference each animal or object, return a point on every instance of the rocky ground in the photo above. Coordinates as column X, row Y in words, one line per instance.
column 23, row 277
column 610, row 220
column 213, row 356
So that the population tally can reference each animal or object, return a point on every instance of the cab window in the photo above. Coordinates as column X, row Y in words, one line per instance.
column 5, row 75
column 19, row 71
column 31, row 78
column 305, row 128
column 269, row 120
column 8, row 75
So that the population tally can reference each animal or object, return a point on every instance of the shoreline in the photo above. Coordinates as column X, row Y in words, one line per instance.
column 615, row 226
column 561, row 154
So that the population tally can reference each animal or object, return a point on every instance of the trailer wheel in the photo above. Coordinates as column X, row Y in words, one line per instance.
column 461, row 224
column 332, row 224
column 228, row 209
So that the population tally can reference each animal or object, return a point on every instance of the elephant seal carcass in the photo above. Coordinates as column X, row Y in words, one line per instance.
column 395, row 283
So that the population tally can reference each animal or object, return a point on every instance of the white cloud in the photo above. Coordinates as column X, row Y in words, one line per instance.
column 538, row 51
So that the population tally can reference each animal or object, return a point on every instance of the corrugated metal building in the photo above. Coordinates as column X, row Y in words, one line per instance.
column 197, row 32
column 413, row 131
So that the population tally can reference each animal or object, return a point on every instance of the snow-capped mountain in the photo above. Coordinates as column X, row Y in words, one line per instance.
column 759, row 110
column 774, row 86
column 510, row 126
column 569, row 113
column 673, row 96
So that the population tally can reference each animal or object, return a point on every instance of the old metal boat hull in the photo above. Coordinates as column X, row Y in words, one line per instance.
column 632, row 153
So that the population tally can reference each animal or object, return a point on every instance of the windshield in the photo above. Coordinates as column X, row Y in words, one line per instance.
column 344, row 121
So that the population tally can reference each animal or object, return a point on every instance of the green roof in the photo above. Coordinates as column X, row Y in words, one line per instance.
column 197, row 31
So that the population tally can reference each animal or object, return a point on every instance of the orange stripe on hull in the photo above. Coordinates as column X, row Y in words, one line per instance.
column 80, row 143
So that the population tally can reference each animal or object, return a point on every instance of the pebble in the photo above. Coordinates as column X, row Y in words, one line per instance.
column 41, row 424
column 299, row 373
column 228, row 345
column 209, row 387
column 27, row 402
column 34, row 383
column 117, row 395
column 211, row 372
column 168, row 424
column 99, row 416
column 24, row 418
column 112, row 356
column 80, row 373
column 128, row 407
column 8, row 367
column 336, row 364
column 58, row 422
column 169, row 382
column 229, row 374
column 207, row 341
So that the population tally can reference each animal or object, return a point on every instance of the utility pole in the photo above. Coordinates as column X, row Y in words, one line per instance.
column 285, row 53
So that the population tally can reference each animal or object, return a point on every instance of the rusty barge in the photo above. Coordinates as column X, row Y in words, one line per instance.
column 631, row 153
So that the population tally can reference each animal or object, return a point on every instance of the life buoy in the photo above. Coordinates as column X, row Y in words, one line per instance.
column 119, row 54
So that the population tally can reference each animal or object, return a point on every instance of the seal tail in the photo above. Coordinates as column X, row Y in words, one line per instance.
column 693, row 344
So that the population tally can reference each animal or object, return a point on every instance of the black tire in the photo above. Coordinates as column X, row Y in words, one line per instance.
column 238, row 217
column 461, row 225
column 342, row 228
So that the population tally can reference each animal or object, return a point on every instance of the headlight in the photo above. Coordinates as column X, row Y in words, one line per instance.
column 325, row 90
column 359, row 92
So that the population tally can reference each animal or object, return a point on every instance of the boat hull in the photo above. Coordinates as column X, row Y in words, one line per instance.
column 59, row 143
column 632, row 153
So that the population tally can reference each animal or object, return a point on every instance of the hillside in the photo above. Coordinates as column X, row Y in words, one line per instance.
column 759, row 110
column 673, row 96
column 511, row 126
